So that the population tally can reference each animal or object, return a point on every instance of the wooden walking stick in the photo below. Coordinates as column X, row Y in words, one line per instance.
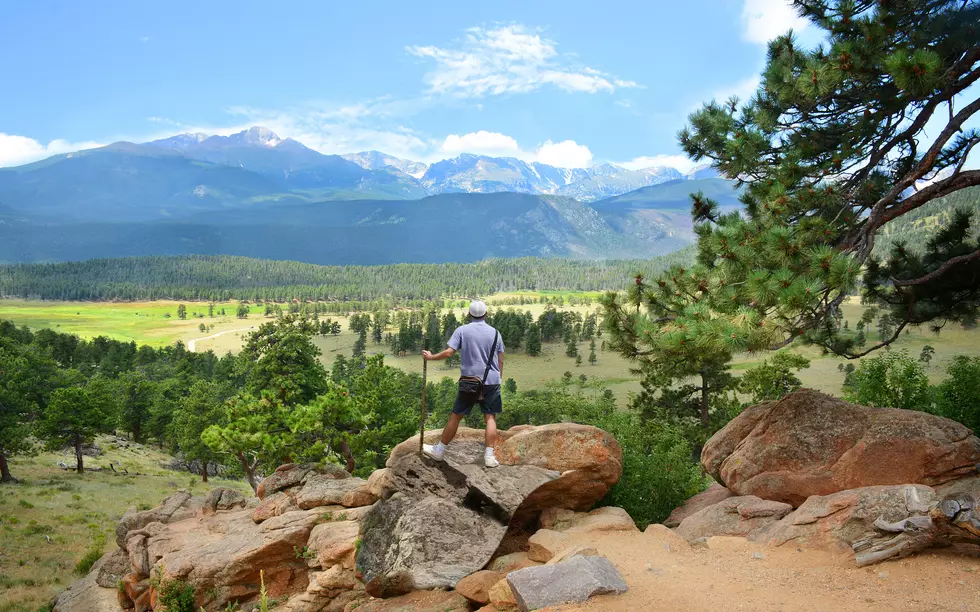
column 425, row 368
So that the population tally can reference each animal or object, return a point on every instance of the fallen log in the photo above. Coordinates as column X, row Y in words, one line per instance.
column 954, row 520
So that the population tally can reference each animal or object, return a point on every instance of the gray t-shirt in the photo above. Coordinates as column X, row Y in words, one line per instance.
column 473, row 341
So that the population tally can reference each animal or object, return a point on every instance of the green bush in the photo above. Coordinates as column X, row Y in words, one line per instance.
column 177, row 596
column 93, row 554
column 958, row 397
column 889, row 380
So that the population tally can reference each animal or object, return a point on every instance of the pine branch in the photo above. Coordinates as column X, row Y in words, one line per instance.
column 939, row 271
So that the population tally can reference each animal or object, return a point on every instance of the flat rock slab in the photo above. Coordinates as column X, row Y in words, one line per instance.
column 571, row 581
column 442, row 521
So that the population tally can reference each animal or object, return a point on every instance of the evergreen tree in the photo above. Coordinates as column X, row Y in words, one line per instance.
column 211, row 310
column 571, row 349
column 25, row 380
column 830, row 150
column 533, row 342
column 510, row 385
column 578, row 360
column 926, row 355
column 592, row 357
column 242, row 312
column 202, row 408
column 136, row 397
column 74, row 416
column 181, row 312
column 360, row 346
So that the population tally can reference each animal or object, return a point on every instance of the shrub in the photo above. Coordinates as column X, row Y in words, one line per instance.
column 177, row 596
column 889, row 380
column 958, row 397
column 93, row 554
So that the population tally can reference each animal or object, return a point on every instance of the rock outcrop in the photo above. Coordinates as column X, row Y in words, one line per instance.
column 745, row 516
column 320, row 540
column 810, row 444
column 712, row 495
column 438, row 522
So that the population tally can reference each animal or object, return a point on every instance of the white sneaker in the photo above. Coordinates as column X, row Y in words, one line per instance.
column 490, row 460
column 434, row 451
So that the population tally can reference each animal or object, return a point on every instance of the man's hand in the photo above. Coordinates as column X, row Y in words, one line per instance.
column 446, row 354
column 427, row 355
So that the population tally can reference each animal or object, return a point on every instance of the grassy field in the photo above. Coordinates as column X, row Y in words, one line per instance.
column 146, row 322
column 53, row 517
column 140, row 322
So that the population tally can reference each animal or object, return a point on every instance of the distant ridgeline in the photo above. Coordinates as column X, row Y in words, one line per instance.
column 218, row 278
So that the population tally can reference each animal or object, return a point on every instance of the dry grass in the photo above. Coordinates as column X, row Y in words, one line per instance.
column 52, row 518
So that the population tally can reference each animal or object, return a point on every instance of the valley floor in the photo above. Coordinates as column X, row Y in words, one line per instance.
column 733, row 574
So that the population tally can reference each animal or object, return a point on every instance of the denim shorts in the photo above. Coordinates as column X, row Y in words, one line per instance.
column 490, row 404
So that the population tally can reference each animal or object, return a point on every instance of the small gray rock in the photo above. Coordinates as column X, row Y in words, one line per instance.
column 571, row 581
column 758, row 555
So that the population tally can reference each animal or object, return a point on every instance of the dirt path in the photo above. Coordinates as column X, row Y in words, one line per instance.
column 734, row 574
column 192, row 344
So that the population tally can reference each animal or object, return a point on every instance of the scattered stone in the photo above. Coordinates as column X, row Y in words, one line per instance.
column 222, row 499
column 573, row 581
column 325, row 490
column 883, row 575
column 575, row 550
column 671, row 540
column 608, row 518
column 810, row 444
column 275, row 504
column 758, row 555
column 502, row 597
column 476, row 586
column 712, row 495
column 333, row 543
column 655, row 570
column 545, row 544
column 418, row 601
column 514, row 561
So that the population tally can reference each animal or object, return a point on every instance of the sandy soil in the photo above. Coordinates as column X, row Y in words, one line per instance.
column 733, row 574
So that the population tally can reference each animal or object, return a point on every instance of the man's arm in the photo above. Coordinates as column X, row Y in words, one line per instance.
column 500, row 365
column 446, row 354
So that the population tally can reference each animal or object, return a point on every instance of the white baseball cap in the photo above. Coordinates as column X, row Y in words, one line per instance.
column 478, row 309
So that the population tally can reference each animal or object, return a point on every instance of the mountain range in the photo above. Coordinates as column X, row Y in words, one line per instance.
column 259, row 195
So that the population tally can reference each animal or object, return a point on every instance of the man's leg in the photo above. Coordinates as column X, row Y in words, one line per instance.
column 450, row 430
column 491, row 421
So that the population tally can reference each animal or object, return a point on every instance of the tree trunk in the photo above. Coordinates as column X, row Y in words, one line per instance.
column 4, row 470
column 348, row 455
column 79, row 466
column 136, row 433
column 204, row 470
column 704, row 401
column 249, row 469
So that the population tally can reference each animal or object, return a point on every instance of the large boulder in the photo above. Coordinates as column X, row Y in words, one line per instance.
column 809, row 444
column 438, row 522
column 88, row 594
column 443, row 522
column 571, row 581
column 745, row 516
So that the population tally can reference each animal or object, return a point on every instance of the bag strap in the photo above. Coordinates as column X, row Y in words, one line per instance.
column 493, row 353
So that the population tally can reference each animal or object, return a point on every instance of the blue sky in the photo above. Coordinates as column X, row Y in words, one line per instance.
column 567, row 83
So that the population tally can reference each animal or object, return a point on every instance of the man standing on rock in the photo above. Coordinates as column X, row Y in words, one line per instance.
column 481, row 359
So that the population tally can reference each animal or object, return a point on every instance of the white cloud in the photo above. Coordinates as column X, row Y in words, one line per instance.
column 679, row 162
column 481, row 143
column 508, row 59
column 564, row 154
column 764, row 20
column 17, row 150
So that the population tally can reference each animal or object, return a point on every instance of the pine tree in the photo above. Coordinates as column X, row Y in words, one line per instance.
column 830, row 150
column 578, row 360
column 592, row 357
column 74, row 416
column 532, row 344
column 571, row 350
column 181, row 312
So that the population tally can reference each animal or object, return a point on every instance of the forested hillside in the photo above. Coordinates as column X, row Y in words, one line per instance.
column 223, row 277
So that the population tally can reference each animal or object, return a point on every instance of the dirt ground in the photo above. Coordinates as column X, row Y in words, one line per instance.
column 734, row 574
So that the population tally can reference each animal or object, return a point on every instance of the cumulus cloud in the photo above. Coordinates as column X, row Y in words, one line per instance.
column 679, row 162
column 481, row 143
column 508, row 59
column 17, row 150
column 764, row 20
column 564, row 154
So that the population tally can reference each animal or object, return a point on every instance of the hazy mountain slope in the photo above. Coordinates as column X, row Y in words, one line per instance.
column 442, row 228
column 663, row 212
column 375, row 160
column 130, row 182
